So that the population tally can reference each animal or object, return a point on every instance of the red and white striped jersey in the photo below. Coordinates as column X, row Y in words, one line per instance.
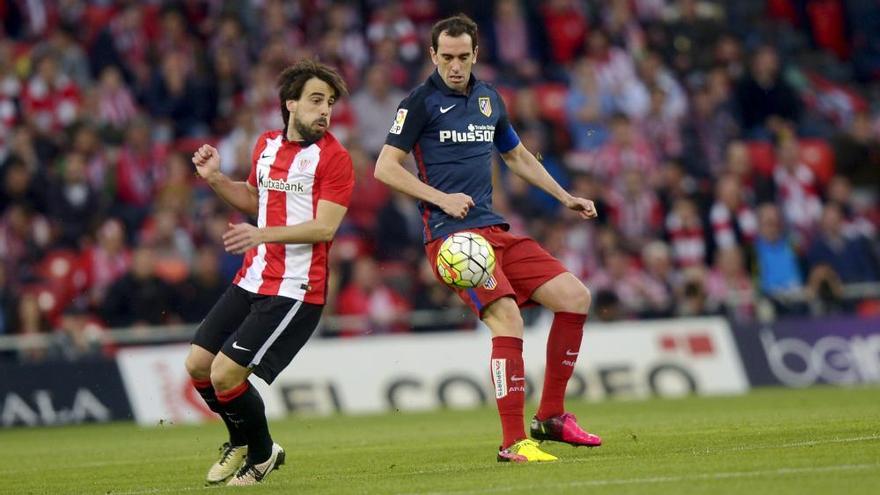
column 290, row 180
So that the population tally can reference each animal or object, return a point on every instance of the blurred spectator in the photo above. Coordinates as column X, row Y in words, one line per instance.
column 50, row 100
column 176, row 99
column 138, row 171
column 238, row 146
column 779, row 275
column 32, row 321
column 24, row 237
column 587, row 107
column 694, row 299
column 694, row 27
column 10, row 91
column 19, row 185
column 369, row 195
column 389, row 22
column 107, row 260
column 661, row 282
column 797, row 189
column 626, row 151
column 230, row 42
column 116, row 106
column 172, row 245
column 616, row 73
column 849, row 257
column 203, row 287
column 375, row 104
column 634, row 209
column 662, row 132
column 80, row 336
column 766, row 103
column 706, row 133
column 633, row 289
column 511, row 43
column 175, row 191
column 124, row 43
column 733, row 220
column 756, row 187
column 565, row 26
column 73, row 204
column 225, row 90
column 620, row 22
column 72, row 59
column 370, row 305
column 857, row 153
column 140, row 297
column 686, row 233
column 853, row 207
column 343, row 18
column 729, row 284
column 656, row 76
column 8, row 305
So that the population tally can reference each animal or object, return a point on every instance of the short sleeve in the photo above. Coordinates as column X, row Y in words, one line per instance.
column 258, row 149
column 506, row 138
column 409, row 122
column 336, row 179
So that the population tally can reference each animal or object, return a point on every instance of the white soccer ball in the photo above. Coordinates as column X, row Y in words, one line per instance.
column 466, row 260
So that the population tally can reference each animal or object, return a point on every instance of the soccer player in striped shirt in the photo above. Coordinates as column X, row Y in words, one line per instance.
column 299, row 189
column 451, row 123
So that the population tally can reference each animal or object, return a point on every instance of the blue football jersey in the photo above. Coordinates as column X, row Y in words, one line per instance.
column 451, row 136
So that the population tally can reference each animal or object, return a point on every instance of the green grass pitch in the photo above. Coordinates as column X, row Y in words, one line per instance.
column 815, row 441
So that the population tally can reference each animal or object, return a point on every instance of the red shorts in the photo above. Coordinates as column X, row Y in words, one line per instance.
column 521, row 266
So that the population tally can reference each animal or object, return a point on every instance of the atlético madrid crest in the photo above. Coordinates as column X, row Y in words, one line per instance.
column 485, row 105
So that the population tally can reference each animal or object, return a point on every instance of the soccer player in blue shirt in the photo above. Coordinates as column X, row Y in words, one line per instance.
column 450, row 123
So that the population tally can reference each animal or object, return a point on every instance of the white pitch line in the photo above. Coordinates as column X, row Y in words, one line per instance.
column 723, row 475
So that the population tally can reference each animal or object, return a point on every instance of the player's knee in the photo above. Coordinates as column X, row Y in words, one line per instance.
column 197, row 368
column 576, row 298
column 504, row 319
column 223, row 378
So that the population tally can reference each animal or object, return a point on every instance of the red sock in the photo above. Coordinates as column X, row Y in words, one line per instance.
column 509, row 378
column 563, row 346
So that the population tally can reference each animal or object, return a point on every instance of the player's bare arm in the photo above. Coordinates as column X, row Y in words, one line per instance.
column 524, row 164
column 391, row 171
column 240, row 195
column 243, row 236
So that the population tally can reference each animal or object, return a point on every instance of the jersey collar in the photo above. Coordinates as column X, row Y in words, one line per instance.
column 437, row 81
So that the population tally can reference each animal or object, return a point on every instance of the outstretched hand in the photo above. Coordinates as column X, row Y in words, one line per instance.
column 241, row 237
column 585, row 207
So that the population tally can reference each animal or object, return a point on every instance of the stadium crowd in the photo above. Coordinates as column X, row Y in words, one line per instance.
column 733, row 149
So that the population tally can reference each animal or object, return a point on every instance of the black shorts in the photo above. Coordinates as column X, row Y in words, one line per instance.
column 262, row 333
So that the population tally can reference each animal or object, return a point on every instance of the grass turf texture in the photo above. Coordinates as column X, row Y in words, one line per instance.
column 815, row 441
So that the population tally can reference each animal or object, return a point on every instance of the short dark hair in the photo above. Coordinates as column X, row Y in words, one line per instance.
column 294, row 78
column 455, row 26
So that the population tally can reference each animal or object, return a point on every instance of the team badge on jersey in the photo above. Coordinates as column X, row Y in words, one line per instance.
column 304, row 164
column 397, row 127
column 490, row 284
column 485, row 105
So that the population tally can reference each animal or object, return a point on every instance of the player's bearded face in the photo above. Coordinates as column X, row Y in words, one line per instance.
column 313, row 129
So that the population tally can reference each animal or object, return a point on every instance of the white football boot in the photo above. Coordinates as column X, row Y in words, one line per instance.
column 231, row 459
column 252, row 474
